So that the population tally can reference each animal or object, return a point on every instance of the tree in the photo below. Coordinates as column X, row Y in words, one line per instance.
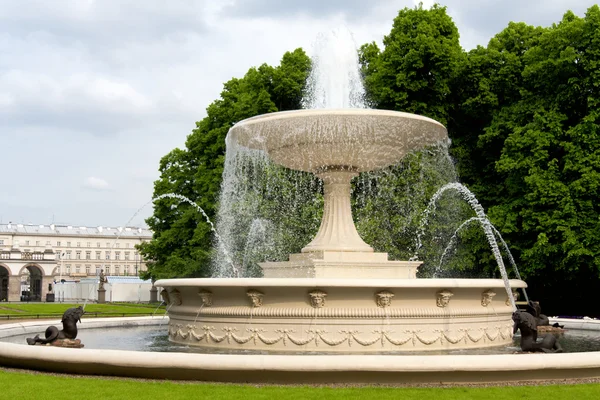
column 414, row 71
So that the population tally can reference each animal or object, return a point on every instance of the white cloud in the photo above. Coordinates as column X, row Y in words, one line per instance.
column 92, row 182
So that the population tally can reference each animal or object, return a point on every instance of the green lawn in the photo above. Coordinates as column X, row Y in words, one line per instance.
column 18, row 385
column 57, row 309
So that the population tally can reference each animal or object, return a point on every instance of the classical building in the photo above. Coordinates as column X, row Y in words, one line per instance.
column 33, row 257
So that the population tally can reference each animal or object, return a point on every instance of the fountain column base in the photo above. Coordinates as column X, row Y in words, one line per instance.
column 340, row 264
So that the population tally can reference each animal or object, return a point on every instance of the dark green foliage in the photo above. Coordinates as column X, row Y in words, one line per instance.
column 527, row 139
column 414, row 71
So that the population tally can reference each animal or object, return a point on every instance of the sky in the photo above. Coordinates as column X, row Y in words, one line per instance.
column 94, row 92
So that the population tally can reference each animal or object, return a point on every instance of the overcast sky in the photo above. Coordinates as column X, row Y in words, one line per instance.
column 94, row 92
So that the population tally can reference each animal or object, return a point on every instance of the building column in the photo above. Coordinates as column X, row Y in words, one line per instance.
column 14, row 288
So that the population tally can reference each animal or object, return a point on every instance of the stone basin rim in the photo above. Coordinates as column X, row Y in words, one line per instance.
column 341, row 282
column 358, row 112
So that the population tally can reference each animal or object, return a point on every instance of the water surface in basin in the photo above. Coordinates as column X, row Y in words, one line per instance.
column 154, row 338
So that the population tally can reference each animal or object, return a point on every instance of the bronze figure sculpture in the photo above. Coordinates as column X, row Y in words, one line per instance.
column 527, row 323
column 69, row 331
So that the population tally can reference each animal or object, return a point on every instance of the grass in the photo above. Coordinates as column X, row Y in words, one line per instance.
column 22, row 385
column 32, row 310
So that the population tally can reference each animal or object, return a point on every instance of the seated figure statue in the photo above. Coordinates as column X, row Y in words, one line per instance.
column 528, row 325
column 69, row 331
column 534, row 308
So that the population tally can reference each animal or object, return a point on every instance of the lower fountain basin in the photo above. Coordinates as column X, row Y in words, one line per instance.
column 339, row 315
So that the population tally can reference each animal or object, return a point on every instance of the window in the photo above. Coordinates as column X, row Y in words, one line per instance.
column 88, row 255
column 68, row 255
column 87, row 269
column 117, row 270
column 136, row 256
column 126, row 270
column 77, row 269
column 108, row 245
column 57, row 244
column 37, row 242
column 78, row 255
column 27, row 243
column 107, row 255
column 117, row 255
column 98, row 255
column 98, row 244
column 68, row 269
column 89, row 244
column 1, row 242
column 48, row 243
column 68, row 244
column 97, row 270
column 117, row 245
column 126, row 255
column 78, row 244
column 57, row 255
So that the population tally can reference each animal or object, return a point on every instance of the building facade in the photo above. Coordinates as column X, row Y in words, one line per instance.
column 33, row 257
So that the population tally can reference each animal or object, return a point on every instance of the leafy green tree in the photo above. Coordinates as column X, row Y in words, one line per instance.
column 414, row 71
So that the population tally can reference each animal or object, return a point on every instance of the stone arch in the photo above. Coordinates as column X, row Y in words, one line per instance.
column 4, row 281
column 31, row 276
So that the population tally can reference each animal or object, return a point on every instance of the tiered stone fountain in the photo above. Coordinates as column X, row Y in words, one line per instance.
column 339, row 295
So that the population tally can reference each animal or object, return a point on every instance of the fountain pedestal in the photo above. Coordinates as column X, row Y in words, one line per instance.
column 340, row 264
column 338, row 251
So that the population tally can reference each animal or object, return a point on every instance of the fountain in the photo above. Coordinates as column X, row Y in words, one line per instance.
column 337, row 294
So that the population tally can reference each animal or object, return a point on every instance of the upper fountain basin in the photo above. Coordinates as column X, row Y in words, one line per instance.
column 356, row 139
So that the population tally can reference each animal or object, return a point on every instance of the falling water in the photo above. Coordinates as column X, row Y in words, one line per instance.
column 161, row 303
column 198, row 313
column 335, row 78
column 470, row 198
column 257, row 245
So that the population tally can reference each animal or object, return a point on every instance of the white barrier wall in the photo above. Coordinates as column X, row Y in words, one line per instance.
column 118, row 289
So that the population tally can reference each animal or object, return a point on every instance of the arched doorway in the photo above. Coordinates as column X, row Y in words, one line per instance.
column 3, row 283
column 31, row 283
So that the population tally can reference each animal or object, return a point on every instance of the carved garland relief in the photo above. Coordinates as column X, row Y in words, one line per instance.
column 414, row 337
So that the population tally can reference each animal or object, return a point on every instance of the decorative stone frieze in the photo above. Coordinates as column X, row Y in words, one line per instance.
column 164, row 294
column 256, row 298
column 487, row 297
column 384, row 298
column 206, row 297
column 317, row 298
column 176, row 297
column 515, row 295
column 383, row 337
column 443, row 298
